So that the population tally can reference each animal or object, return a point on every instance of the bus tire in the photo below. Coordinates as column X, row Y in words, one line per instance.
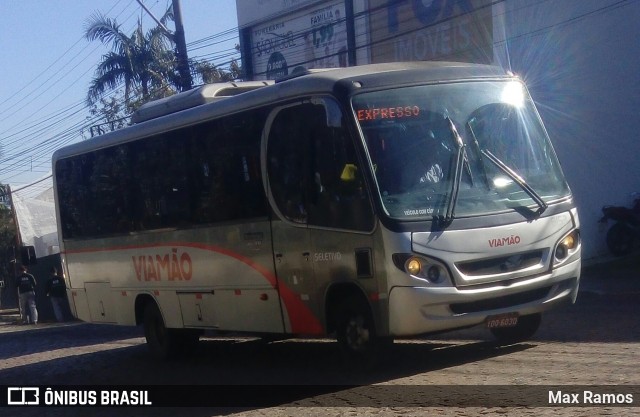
column 525, row 329
column 356, row 333
column 163, row 343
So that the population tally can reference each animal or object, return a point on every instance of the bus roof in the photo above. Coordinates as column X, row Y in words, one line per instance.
column 192, row 98
column 417, row 71
column 203, row 103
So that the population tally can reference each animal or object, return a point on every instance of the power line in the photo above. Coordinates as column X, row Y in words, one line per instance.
column 22, row 141
column 20, row 157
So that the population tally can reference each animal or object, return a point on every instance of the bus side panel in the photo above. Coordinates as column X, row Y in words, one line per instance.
column 238, row 310
column 251, row 310
column 199, row 310
column 101, row 306
column 79, row 303
column 124, row 303
column 169, row 307
column 174, row 267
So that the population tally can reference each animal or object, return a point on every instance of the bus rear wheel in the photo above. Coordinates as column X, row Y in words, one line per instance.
column 163, row 343
column 527, row 326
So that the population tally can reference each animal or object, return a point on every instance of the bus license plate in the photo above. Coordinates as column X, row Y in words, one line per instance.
column 501, row 320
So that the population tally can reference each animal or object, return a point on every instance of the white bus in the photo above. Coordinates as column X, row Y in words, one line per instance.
column 366, row 203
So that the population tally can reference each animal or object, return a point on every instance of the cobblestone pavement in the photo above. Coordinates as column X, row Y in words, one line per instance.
column 593, row 343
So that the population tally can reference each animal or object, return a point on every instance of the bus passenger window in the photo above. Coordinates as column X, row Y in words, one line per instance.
column 225, row 174
column 308, row 151
column 342, row 202
column 287, row 153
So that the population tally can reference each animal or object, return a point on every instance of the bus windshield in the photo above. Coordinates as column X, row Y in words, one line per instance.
column 458, row 150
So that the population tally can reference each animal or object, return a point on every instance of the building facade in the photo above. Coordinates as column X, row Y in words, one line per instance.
column 579, row 58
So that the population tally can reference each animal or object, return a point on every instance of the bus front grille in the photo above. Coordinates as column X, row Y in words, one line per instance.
column 501, row 265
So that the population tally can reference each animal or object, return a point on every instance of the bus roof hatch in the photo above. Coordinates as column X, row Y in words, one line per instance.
column 193, row 98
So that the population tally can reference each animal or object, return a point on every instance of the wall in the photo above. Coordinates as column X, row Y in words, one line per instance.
column 414, row 30
column 41, row 272
column 581, row 61
column 284, row 36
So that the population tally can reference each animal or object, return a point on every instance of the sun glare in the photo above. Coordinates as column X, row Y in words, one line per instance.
column 513, row 94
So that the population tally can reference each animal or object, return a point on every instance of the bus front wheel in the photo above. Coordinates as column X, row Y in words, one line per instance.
column 356, row 333
column 523, row 330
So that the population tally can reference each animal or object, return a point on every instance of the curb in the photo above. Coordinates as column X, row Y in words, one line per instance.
column 9, row 316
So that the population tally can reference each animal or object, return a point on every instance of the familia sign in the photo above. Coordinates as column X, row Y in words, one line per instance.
column 307, row 39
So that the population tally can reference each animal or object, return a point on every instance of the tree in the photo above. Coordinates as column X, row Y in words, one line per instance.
column 209, row 73
column 8, row 234
column 112, row 111
column 145, row 63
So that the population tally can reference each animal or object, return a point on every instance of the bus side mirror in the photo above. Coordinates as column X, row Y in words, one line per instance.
column 28, row 255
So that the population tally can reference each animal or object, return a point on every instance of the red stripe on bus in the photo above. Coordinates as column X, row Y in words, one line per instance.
column 301, row 318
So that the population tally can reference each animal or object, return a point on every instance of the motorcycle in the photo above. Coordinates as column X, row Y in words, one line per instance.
column 622, row 235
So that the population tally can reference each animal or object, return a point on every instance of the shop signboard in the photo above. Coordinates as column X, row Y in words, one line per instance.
column 418, row 30
column 310, row 38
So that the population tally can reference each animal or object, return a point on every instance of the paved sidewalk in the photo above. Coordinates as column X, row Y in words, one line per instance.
column 9, row 316
column 612, row 276
column 10, row 321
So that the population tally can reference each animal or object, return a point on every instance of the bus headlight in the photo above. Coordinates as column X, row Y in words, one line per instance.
column 414, row 266
column 567, row 246
column 425, row 269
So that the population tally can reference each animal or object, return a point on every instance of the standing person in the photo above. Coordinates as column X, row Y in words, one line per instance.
column 56, row 290
column 26, row 284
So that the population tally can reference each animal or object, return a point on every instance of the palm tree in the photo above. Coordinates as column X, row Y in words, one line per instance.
column 208, row 72
column 145, row 63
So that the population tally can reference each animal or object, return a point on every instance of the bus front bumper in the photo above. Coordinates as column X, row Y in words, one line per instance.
column 419, row 310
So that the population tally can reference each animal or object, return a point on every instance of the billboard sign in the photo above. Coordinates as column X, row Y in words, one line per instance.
column 311, row 38
column 252, row 11
column 419, row 30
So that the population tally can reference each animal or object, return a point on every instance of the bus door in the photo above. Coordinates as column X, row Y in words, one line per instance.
column 322, row 213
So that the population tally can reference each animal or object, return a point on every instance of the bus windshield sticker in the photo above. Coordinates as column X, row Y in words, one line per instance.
column 418, row 212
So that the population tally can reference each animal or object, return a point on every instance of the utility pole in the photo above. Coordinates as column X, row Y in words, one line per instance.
column 181, row 48
column 10, row 294
column 178, row 38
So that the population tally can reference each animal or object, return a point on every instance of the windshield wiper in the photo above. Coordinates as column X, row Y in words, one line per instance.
column 478, row 153
column 461, row 162
column 518, row 180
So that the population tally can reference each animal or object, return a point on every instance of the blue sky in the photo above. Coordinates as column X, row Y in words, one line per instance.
column 47, row 66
